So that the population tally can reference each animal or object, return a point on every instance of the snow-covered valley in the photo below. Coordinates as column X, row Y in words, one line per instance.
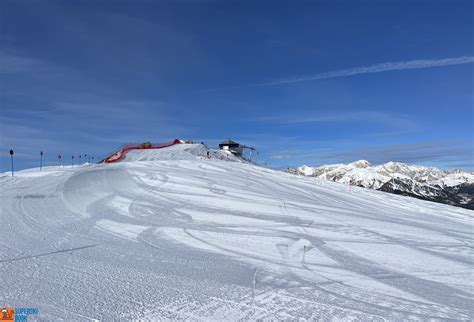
column 171, row 234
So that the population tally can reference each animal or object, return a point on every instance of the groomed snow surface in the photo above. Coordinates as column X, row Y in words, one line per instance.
column 171, row 234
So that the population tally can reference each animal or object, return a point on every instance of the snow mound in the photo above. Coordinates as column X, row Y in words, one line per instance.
column 179, row 152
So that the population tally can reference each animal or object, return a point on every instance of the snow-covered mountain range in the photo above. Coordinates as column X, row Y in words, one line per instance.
column 454, row 187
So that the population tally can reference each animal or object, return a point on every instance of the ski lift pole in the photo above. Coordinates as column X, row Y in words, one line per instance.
column 251, row 150
column 11, row 156
column 41, row 160
column 59, row 160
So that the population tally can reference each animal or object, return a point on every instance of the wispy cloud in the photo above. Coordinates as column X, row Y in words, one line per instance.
column 402, row 121
column 445, row 153
column 10, row 63
column 377, row 68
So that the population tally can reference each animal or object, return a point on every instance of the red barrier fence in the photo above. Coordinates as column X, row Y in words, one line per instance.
column 117, row 156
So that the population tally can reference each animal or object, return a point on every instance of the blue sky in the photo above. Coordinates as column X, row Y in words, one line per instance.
column 305, row 82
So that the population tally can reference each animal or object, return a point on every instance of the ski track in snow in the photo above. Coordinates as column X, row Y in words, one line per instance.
column 177, row 236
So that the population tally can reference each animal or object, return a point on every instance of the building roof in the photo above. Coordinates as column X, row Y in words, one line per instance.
column 229, row 141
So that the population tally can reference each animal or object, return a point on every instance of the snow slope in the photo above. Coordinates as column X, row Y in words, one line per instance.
column 174, row 235
column 180, row 152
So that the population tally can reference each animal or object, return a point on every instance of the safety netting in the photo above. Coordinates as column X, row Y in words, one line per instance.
column 120, row 154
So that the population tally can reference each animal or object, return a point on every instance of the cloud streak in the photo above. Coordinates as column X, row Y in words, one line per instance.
column 377, row 68
column 10, row 64
column 401, row 121
column 444, row 153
